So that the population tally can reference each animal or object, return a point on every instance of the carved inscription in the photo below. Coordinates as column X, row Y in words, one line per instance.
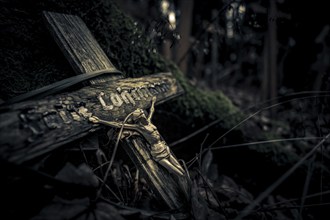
column 66, row 110
column 39, row 120
column 130, row 96
column 51, row 119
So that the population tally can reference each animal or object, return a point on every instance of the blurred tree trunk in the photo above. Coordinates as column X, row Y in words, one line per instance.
column 186, row 7
column 270, row 56
column 215, row 52
column 265, row 78
column 272, row 32
column 167, row 49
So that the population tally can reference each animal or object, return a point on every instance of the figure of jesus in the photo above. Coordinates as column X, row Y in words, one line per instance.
column 143, row 126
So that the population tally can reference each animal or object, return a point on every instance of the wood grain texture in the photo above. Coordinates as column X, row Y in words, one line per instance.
column 78, row 44
column 33, row 128
column 170, row 188
column 85, row 55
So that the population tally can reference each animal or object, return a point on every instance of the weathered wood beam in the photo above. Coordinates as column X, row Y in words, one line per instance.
column 32, row 128
column 171, row 189
column 78, row 45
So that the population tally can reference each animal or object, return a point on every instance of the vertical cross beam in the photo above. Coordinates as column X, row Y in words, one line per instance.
column 86, row 56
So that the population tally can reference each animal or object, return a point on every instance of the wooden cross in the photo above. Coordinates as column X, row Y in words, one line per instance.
column 31, row 128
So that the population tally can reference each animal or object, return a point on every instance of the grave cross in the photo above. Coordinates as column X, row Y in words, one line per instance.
column 33, row 127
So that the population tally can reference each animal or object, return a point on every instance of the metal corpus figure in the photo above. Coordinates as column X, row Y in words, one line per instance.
column 143, row 126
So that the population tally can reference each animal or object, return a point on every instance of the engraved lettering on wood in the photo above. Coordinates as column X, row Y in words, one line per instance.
column 116, row 100
column 125, row 97
column 44, row 125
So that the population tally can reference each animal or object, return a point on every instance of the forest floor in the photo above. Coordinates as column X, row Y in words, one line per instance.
column 273, row 164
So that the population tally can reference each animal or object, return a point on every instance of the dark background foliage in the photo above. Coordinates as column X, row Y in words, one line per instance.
column 223, row 58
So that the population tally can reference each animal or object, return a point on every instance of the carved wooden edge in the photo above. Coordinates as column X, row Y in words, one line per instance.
column 172, row 189
column 78, row 44
column 33, row 128
column 85, row 55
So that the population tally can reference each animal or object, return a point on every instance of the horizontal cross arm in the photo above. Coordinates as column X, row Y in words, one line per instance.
column 33, row 128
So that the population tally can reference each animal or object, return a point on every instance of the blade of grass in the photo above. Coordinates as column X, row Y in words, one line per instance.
column 297, row 199
column 266, row 142
column 200, row 152
column 255, row 113
column 193, row 160
column 110, row 190
column 272, row 187
column 294, row 207
column 306, row 184
column 112, row 158
column 191, row 135
column 213, row 194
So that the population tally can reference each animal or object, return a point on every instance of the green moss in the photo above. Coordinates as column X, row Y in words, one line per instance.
column 31, row 59
column 140, row 59
column 31, row 64
column 204, row 104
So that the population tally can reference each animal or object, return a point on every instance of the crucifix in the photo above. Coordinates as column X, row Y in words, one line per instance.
column 143, row 126
column 43, row 120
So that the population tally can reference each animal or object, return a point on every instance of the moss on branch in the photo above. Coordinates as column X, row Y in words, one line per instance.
column 32, row 59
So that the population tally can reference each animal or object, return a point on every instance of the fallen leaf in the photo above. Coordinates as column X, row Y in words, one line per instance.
column 82, row 175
